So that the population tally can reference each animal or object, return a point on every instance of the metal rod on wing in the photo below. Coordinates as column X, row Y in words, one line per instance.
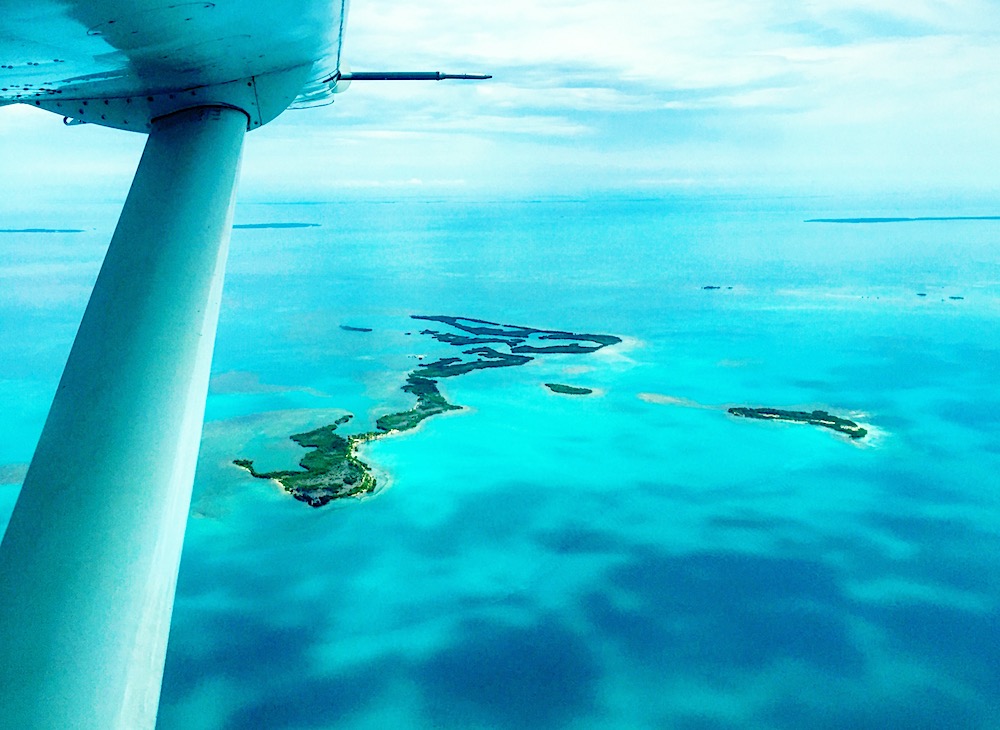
column 402, row 76
column 89, row 561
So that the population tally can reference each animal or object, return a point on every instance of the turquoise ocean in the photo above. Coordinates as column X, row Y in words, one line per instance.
column 633, row 558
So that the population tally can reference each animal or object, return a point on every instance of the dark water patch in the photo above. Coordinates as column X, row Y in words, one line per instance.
column 241, row 647
column 691, row 494
column 927, row 531
column 960, row 643
column 752, row 523
column 41, row 230
column 982, row 414
column 539, row 676
column 693, row 722
column 948, row 552
column 205, row 579
column 886, row 357
column 495, row 517
column 275, row 225
column 711, row 613
column 954, row 569
column 320, row 702
column 740, row 575
column 992, row 446
column 645, row 636
column 927, row 708
column 823, row 386
column 954, row 560
column 909, row 486
column 577, row 540
column 907, row 220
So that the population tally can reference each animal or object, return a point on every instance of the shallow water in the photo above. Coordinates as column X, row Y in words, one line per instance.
column 543, row 561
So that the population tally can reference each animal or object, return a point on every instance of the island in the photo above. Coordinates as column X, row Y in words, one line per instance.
column 568, row 389
column 430, row 402
column 814, row 418
column 275, row 225
column 332, row 470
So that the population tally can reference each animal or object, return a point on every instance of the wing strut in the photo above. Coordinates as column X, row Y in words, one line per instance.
column 90, row 557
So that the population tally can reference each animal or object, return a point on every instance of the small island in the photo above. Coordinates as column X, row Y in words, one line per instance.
column 332, row 469
column 568, row 389
column 814, row 418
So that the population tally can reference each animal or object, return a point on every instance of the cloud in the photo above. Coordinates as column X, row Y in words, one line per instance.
column 713, row 92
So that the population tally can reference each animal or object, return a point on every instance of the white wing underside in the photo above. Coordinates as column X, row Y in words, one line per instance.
column 53, row 52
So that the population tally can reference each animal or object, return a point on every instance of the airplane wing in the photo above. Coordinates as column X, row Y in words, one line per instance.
column 115, row 48
column 89, row 560
column 134, row 60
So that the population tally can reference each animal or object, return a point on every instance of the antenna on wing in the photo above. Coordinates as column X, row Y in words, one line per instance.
column 403, row 76
column 318, row 93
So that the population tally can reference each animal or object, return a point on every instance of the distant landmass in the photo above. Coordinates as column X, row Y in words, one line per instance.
column 41, row 230
column 814, row 418
column 332, row 469
column 276, row 225
column 907, row 220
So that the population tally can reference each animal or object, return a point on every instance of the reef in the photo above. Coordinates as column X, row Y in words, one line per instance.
column 813, row 418
column 332, row 470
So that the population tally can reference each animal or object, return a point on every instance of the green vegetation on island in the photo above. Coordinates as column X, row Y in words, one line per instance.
column 430, row 402
column 568, row 389
column 814, row 418
column 333, row 471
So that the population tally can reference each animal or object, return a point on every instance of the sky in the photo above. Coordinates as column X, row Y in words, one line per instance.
column 593, row 96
